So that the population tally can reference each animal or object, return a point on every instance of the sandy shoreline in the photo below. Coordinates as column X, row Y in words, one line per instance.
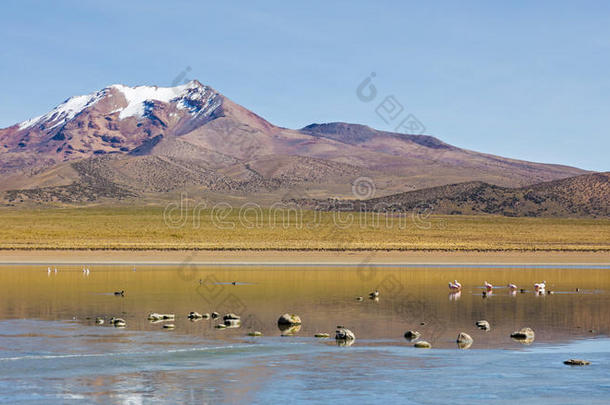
column 298, row 257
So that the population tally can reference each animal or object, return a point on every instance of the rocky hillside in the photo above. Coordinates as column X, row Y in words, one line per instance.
column 581, row 196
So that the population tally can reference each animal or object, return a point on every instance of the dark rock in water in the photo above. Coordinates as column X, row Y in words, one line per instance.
column 525, row 335
column 422, row 345
column 230, row 317
column 118, row 322
column 344, row 334
column 232, row 323
column 464, row 340
column 412, row 335
column 483, row 324
column 577, row 362
column 289, row 319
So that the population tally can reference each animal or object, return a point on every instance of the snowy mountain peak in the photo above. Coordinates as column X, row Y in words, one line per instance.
column 65, row 111
column 198, row 99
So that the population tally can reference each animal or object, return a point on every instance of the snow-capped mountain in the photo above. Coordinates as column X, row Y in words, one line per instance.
column 160, row 138
column 136, row 102
column 117, row 118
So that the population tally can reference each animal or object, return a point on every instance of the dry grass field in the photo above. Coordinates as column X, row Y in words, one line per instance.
column 147, row 228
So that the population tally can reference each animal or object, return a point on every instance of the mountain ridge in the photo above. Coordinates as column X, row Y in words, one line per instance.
column 211, row 144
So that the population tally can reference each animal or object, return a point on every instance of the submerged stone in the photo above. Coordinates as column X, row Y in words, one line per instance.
column 523, row 333
column 344, row 334
column 412, row 335
column 464, row 340
column 484, row 325
column 577, row 362
column 422, row 345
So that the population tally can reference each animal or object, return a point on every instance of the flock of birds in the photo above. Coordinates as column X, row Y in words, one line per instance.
column 454, row 286
column 540, row 288
column 86, row 271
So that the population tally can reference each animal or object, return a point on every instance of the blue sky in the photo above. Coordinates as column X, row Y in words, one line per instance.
column 529, row 81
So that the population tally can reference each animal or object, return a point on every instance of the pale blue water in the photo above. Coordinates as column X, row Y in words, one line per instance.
column 64, row 362
column 47, row 357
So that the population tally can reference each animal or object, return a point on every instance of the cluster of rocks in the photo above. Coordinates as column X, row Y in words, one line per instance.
column 114, row 321
column 413, row 335
column 155, row 317
column 290, row 324
column 195, row 316
column 230, row 320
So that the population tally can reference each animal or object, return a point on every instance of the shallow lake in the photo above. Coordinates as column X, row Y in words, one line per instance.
column 52, row 350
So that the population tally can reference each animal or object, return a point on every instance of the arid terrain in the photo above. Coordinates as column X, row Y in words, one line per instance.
column 581, row 196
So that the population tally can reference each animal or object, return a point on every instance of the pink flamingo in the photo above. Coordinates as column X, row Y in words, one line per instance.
column 455, row 287
column 538, row 287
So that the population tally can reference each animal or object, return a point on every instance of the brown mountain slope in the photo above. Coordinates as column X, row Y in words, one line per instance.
column 585, row 196
column 160, row 140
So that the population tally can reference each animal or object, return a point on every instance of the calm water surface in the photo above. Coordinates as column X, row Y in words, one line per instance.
column 51, row 350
